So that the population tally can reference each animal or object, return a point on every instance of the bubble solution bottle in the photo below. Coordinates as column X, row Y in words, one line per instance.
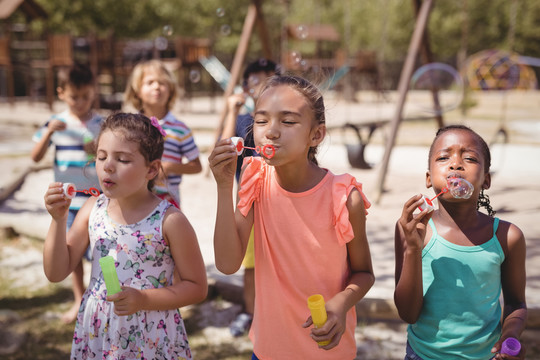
column 318, row 313
column 511, row 346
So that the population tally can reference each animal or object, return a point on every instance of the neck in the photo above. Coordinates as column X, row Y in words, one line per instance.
column 299, row 179
column 159, row 113
column 134, row 208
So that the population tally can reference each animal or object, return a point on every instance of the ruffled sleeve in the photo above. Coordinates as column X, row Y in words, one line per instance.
column 342, row 187
column 250, row 183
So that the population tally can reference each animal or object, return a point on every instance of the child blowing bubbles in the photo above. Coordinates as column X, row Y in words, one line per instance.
column 149, row 240
column 152, row 91
column 310, row 234
column 72, row 133
column 449, row 275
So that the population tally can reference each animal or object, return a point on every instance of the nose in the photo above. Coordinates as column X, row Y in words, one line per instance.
column 272, row 131
column 108, row 166
column 456, row 164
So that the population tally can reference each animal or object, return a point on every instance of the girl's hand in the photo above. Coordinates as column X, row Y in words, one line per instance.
column 126, row 302
column 223, row 162
column 497, row 348
column 55, row 201
column 235, row 102
column 332, row 330
column 412, row 227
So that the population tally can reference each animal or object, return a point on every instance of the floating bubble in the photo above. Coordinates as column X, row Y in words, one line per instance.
column 460, row 188
column 225, row 30
column 440, row 78
column 302, row 32
column 194, row 76
column 220, row 12
column 161, row 43
column 167, row 30
column 295, row 59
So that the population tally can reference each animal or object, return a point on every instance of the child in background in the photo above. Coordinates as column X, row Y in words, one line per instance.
column 152, row 90
column 72, row 133
column 148, row 238
column 309, row 225
column 449, row 275
column 236, row 124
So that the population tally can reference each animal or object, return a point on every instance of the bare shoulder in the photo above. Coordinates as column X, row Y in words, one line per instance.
column 174, row 218
column 355, row 202
column 511, row 237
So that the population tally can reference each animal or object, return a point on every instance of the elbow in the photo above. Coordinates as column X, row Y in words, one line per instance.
column 226, row 269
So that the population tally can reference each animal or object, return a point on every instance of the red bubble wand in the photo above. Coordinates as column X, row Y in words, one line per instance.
column 268, row 150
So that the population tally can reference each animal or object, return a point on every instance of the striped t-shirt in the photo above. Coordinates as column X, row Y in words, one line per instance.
column 179, row 144
column 71, row 161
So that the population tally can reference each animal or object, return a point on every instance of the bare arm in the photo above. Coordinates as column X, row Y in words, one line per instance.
column 192, row 286
column 60, row 256
column 190, row 167
column 232, row 229
column 409, row 242
column 234, row 104
column 513, row 278
column 361, row 279
column 40, row 148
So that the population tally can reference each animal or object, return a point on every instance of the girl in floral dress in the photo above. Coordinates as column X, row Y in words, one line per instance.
column 149, row 240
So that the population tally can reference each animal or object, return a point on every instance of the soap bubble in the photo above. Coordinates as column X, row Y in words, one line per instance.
column 225, row 30
column 441, row 78
column 460, row 188
column 194, row 76
column 220, row 12
column 302, row 32
column 161, row 43
column 167, row 30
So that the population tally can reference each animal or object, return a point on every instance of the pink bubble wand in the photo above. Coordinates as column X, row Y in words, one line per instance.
column 458, row 187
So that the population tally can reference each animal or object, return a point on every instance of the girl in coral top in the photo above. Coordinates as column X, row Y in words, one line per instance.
column 309, row 224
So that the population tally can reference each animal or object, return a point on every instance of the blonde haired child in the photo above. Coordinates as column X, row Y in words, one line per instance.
column 152, row 90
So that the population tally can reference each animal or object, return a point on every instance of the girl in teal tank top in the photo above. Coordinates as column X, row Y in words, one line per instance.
column 450, row 274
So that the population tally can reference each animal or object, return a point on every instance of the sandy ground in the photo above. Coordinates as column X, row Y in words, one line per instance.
column 515, row 191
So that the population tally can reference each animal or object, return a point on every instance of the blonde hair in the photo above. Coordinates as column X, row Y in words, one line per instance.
column 133, row 88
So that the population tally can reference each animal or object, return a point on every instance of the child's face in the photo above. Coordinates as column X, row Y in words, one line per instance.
column 79, row 99
column 457, row 153
column 120, row 166
column 155, row 90
column 284, row 119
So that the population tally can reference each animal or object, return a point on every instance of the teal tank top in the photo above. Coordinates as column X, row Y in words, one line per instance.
column 461, row 314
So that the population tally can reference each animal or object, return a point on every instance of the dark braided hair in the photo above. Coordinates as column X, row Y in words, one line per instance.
column 483, row 199
column 137, row 128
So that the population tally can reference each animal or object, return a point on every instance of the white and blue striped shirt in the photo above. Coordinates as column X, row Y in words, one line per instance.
column 72, row 164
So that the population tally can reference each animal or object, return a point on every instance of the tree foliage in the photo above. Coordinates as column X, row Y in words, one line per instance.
column 381, row 25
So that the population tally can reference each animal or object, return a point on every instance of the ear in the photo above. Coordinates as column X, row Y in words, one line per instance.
column 428, row 179
column 487, row 181
column 153, row 169
column 317, row 134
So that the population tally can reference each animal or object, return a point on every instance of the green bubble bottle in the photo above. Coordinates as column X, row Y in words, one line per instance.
column 109, row 275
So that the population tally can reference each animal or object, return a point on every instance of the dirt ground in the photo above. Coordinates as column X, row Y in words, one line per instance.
column 30, row 307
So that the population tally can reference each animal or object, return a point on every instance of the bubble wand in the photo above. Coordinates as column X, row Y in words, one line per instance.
column 70, row 190
column 268, row 151
column 458, row 187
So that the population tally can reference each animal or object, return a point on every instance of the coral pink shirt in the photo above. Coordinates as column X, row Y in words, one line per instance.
column 300, row 250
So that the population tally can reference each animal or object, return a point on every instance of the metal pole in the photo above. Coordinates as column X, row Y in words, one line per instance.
column 403, row 87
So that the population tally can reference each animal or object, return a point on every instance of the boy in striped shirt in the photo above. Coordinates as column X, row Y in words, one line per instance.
column 72, row 133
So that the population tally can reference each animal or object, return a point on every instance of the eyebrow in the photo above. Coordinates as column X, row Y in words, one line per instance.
column 284, row 112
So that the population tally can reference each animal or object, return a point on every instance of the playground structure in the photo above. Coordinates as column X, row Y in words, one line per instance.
column 113, row 59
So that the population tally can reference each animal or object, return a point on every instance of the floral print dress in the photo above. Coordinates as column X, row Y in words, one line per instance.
column 143, row 261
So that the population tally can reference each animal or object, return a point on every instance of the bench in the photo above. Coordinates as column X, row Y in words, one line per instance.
column 364, row 131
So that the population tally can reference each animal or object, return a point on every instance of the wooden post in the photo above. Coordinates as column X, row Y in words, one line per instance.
column 238, row 60
column 403, row 88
